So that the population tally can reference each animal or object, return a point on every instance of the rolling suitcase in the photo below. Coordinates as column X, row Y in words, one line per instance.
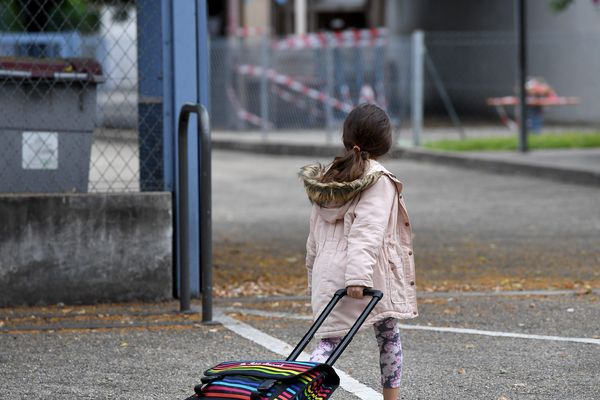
column 283, row 379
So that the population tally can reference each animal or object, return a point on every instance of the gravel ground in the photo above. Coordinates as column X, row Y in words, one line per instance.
column 117, row 364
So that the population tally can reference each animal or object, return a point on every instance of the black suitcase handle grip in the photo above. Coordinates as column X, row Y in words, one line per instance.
column 338, row 295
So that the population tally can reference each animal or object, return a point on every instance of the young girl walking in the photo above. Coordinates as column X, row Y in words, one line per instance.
column 360, row 237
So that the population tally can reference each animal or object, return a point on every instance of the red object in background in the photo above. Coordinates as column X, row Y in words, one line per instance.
column 532, row 101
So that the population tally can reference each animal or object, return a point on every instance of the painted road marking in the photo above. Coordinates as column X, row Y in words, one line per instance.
column 466, row 331
column 280, row 347
column 501, row 334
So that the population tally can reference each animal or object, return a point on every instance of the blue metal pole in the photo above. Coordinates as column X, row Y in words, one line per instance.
column 202, row 55
column 150, row 99
column 168, row 112
column 185, row 90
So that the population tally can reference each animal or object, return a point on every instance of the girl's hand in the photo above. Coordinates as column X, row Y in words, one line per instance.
column 356, row 292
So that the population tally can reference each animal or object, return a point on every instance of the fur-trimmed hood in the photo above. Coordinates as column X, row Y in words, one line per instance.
column 337, row 194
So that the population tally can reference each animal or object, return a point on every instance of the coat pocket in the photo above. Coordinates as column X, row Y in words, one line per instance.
column 329, row 266
column 396, row 281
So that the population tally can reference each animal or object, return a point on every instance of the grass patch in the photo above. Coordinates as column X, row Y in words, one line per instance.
column 567, row 140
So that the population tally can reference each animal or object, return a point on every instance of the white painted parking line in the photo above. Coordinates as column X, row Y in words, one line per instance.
column 280, row 347
column 505, row 293
column 466, row 331
column 500, row 334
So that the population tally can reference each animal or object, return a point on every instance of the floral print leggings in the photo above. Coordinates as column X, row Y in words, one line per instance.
column 387, row 333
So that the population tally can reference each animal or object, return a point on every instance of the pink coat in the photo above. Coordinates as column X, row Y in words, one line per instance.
column 360, row 235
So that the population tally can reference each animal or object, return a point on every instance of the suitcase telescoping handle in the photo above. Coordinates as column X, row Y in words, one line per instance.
column 376, row 296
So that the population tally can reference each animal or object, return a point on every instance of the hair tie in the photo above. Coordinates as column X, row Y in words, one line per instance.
column 362, row 154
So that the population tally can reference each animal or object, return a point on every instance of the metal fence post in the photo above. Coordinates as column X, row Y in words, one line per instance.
column 264, row 96
column 182, row 203
column 204, row 165
column 417, row 85
column 205, row 208
column 521, row 28
column 205, row 173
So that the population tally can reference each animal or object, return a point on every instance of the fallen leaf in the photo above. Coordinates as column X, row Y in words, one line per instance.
column 124, row 344
column 584, row 290
column 462, row 371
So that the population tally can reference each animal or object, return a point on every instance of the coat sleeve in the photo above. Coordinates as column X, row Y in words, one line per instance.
column 311, row 248
column 365, row 238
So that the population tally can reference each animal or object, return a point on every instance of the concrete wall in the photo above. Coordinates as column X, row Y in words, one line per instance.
column 564, row 48
column 473, row 46
column 85, row 248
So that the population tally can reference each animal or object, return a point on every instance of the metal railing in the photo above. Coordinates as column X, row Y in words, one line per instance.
column 183, row 206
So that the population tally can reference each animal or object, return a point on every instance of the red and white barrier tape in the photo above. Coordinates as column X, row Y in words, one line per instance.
column 243, row 114
column 349, row 38
column 295, row 86
column 250, row 31
column 297, row 101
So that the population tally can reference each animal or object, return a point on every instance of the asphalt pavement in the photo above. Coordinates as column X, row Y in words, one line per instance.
column 509, row 347
column 471, row 227
column 475, row 230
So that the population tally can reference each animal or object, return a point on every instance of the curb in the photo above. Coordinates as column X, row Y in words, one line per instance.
column 566, row 175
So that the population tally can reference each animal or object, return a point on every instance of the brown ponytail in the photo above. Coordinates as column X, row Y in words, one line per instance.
column 367, row 134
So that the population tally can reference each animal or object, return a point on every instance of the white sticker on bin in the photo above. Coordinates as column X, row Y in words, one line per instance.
column 40, row 150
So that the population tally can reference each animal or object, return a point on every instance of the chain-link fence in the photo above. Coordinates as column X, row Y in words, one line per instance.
column 260, row 83
column 476, row 66
column 68, row 93
column 70, row 117
column 272, row 86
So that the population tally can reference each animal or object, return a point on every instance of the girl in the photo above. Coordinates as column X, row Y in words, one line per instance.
column 360, row 237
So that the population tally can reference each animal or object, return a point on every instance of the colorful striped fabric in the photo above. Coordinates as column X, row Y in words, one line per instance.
column 280, row 380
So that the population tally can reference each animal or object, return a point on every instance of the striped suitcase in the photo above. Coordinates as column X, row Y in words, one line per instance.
column 282, row 379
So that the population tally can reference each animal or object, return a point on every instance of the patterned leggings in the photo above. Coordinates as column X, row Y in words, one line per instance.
column 387, row 333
